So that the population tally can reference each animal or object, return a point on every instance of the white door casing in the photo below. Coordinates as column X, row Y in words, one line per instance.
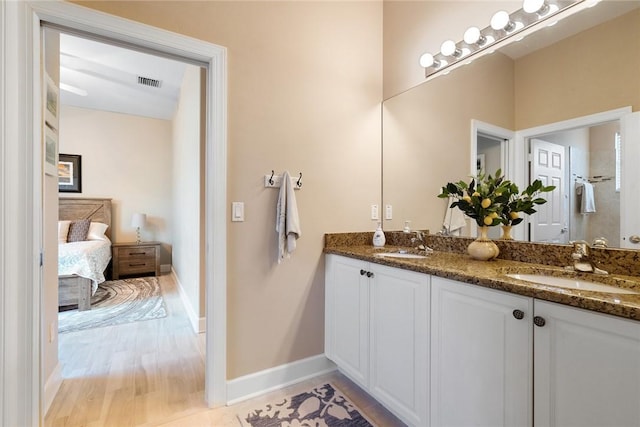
column 548, row 165
column 21, row 226
column 630, row 180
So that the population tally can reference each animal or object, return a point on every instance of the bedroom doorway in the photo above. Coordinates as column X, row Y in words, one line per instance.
column 96, row 25
column 129, row 115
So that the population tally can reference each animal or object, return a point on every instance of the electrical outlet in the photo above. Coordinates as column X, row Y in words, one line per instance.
column 374, row 212
column 388, row 212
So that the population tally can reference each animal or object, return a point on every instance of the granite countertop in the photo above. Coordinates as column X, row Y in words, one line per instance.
column 491, row 274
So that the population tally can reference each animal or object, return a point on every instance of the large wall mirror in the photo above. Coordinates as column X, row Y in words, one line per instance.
column 563, row 91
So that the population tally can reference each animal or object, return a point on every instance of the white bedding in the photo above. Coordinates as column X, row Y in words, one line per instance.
column 86, row 259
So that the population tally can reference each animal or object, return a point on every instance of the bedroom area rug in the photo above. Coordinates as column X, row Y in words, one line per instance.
column 116, row 302
column 322, row 406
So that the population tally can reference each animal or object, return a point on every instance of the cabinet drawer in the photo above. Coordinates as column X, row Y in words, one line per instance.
column 142, row 252
column 133, row 266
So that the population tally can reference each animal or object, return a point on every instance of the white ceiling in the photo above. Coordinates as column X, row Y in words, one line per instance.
column 109, row 76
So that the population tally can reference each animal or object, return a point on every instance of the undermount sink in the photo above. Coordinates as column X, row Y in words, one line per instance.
column 570, row 283
column 400, row 255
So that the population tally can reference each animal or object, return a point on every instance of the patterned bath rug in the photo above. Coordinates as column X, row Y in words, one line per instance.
column 116, row 302
column 323, row 406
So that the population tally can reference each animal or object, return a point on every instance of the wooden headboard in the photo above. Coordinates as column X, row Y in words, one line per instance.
column 98, row 210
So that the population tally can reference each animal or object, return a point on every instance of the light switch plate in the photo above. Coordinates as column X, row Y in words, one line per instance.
column 237, row 211
column 374, row 212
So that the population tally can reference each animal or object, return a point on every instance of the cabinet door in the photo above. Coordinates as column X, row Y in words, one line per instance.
column 587, row 368
column 347, row 316
column 400, row 342
column 481, row 356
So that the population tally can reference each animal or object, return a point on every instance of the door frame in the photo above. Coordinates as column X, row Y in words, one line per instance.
column 22, row 392
column 521, row 147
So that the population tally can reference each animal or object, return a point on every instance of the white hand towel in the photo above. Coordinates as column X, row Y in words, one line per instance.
column 453, row 218
column 587, row 201
column 287, row 221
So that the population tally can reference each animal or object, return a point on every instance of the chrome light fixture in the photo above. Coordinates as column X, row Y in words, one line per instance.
column 502, row 25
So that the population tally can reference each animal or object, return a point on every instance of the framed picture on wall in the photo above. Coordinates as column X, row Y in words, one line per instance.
column 50, row 126
column 50, row 151
column 70, row 173
column 51, row 103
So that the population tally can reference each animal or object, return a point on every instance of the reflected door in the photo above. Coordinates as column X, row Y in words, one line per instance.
column 630, row 182
column 547, row 165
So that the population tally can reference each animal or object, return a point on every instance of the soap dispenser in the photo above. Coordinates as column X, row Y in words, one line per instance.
column 378, row 237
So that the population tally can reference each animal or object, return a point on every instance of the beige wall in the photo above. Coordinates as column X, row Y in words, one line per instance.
column 50, row 233
column 305, row 83
column 593, row 71
column 126, row 158
column 412, row 28
column 187, row 192
column 426, row 137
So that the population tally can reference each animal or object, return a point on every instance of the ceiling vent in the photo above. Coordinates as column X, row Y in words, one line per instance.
column 146, row 81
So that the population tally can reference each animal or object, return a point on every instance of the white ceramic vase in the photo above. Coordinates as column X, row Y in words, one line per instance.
column 483, row 248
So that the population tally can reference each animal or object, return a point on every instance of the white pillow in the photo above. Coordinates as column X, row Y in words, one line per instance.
column 63, row 231
column 96, row 231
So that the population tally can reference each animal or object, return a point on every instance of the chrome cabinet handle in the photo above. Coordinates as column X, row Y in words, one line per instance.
column 518, row 314
column 634, row 239
column 539, row 321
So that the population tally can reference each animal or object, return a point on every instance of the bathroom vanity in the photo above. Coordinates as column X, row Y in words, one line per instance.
column 446, row 340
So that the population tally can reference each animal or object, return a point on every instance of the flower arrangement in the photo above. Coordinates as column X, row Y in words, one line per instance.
column 493, row 200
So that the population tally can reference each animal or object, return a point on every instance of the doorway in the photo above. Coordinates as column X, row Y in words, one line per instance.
column 145, row 37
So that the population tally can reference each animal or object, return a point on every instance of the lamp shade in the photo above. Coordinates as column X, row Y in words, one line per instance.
column 139, row 220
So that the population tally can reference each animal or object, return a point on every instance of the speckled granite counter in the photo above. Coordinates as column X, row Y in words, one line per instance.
column 492, row 274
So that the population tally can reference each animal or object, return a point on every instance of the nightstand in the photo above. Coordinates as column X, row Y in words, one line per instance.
column 135, row 258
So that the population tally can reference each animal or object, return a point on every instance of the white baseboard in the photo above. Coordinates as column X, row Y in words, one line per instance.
column 197, row 323
column 52, row 386
column 258, row 383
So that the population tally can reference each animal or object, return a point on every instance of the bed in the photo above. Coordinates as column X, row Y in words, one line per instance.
column 81, row 264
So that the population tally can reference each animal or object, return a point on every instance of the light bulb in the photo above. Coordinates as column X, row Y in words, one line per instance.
column 532, row 6
column 474, row 36
column 448, row 48
column 427, row 60
column 500, row 20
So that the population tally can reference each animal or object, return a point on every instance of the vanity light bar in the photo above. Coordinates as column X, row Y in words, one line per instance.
column 502, row 26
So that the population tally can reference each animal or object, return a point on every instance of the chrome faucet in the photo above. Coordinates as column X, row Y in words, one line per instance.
column 582, row 260
column 421, row 242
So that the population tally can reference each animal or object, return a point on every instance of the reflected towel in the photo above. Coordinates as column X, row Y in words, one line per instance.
column 453, row 218
column 287, row 221
column 587, row 201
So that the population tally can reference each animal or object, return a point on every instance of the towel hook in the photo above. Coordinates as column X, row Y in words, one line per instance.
column 299, row 183
column 271, row 179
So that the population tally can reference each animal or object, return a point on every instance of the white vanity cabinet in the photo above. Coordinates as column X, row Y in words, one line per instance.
column 557, row 366
column 377, row 332
column 481, row 356
column 347, row 316
column 587, row 368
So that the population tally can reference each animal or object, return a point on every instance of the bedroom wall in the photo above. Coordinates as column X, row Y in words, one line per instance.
column 126, row 158
column 50, row 365
column 187, row 191
column 304, row 91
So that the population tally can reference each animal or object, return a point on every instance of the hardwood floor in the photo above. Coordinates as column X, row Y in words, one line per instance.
column 151, row 373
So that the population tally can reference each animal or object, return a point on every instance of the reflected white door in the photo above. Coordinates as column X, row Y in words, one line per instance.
column 547, row 165
column 630, row 181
